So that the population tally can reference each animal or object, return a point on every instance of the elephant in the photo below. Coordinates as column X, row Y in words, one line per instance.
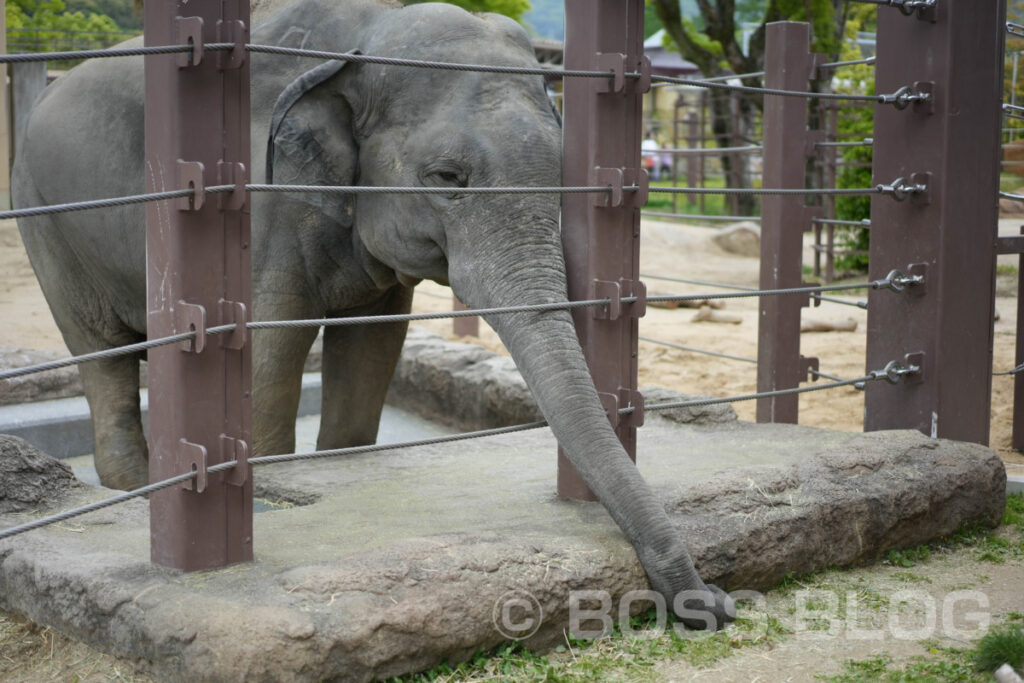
column 313, row 256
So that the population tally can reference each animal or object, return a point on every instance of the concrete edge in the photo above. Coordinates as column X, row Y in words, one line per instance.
column 1015, row 484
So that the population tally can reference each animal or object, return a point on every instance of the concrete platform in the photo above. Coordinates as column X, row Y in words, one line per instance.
column 399, row 563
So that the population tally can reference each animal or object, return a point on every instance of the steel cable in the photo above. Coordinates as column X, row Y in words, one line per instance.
column 698, row 216
column 108, row 52
column 882, row 99
column 410, row 317
column 682, row 347
column 424, row 64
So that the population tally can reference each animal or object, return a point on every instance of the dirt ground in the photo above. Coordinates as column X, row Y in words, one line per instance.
column 668, row 250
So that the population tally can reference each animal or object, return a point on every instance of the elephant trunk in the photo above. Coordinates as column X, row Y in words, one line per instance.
column 548, row 354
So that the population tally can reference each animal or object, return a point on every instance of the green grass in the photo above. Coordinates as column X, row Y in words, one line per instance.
column 1002, row 645
column 1006, row 269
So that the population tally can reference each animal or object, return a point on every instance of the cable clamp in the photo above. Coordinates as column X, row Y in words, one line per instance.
column 904, row 97
column 193, row 455
column 900, row 189
column 190, row 32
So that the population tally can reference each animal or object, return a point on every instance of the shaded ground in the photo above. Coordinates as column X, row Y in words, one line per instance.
column 31, row 654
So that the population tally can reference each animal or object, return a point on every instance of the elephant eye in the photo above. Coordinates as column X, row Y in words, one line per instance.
column 446, row 177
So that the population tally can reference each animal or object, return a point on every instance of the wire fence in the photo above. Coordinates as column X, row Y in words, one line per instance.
column 895, row 281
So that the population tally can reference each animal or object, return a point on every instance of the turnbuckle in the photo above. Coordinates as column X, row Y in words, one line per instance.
column 904, row 97
column 897, row 281
column 894, row 370
column 900, row 189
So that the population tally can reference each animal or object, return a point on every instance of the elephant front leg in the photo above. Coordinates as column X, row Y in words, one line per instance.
column 278, row 359
column 112, row 390
column 357, row 367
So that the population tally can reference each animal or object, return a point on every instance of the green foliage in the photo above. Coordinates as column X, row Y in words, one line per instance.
column 53, row 15
column 510, row 8
column 940, row 664
column 855, row 123
column 1002, row 645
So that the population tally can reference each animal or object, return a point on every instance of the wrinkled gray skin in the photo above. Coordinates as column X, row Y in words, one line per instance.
column 331, row 256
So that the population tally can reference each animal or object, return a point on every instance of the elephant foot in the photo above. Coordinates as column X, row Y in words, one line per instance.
column 708, row 609
column 124, row 473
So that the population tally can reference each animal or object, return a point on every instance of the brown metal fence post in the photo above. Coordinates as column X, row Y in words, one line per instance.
column 197, row 135
column 787, row 146
column 947, row 233
column 601, row 232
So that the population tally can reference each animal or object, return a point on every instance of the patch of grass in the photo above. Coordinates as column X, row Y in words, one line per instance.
column 940, row 664
column 1013, row 515
column 908, row 557
column 616, row 656
column 1002, row 645
column 1006, row 269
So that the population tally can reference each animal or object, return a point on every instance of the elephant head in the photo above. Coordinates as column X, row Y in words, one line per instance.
column 383, row 125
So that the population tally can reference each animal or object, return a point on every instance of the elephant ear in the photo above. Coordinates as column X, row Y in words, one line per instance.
column 311, row 141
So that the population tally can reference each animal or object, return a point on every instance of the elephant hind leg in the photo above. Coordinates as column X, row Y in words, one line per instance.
column 112, row 389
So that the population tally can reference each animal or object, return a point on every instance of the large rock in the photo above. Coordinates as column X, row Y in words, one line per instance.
column 742, row 239
column 462, row 385
column 402, row 561
column 29, row 478
column 718, row 413
column 42, row 386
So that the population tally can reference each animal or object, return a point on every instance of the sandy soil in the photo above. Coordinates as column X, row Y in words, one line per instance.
column 669, row 251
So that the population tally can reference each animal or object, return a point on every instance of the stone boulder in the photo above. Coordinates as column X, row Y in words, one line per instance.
column 29, row 478
column 41, row 386
column 719, row 413
column 742, row 239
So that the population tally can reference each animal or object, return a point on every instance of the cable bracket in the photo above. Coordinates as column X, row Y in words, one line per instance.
column 615, row 292
column 633, row 181
column 237, row 313
column 232, row 32
column 190, row 32
column 618, row 63
column 194, row 456
column 191, row 318
column 236, row 450
column 190, row 177
column 1015, row 29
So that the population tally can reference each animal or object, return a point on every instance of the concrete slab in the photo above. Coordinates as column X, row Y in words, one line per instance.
column 401, row 558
